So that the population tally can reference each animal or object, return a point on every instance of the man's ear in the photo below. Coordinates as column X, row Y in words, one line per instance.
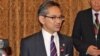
column 41, row 19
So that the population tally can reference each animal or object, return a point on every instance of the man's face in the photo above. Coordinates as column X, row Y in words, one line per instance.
column 95, row 4
column 53, row 20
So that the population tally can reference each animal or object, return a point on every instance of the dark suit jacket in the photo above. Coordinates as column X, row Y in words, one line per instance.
column 34, row 45
column 83, row 32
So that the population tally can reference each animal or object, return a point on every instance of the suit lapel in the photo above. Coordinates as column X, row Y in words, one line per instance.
column 89, row 13
column 62, row 45
column 93, row 39
column 41, row 45
column 91, row 21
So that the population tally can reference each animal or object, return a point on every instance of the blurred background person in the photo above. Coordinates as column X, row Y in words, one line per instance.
column 86, row 31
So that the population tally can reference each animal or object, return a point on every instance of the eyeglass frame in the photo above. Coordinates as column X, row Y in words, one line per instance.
column 55, row 17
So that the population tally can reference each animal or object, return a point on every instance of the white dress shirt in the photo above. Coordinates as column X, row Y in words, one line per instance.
column 94, row 18
column 93, row 14
column 47, row 39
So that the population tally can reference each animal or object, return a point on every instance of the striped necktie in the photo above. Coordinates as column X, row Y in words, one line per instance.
column 53, row 50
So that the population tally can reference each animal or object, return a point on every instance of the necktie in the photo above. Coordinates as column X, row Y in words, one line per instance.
column 96, row 24
column 53, row 50
column 96, row 21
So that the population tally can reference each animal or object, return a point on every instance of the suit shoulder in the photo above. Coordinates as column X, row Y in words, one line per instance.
column 31, row 37
column 66, row 37
column 84, row 11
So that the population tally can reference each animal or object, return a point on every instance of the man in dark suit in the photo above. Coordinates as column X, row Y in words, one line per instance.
column 86, row 31
column 48, row 42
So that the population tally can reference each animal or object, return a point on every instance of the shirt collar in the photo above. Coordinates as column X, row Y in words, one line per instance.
column 47, row 33
column 95, row 12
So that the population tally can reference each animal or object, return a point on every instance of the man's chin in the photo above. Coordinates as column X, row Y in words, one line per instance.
column 57, row 30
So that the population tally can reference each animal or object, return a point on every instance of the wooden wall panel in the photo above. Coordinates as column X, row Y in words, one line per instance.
column 3, row 19
column 18, row 19
column 30, row 16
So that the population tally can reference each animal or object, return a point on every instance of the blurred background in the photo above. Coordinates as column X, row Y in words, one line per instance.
column 18, row 19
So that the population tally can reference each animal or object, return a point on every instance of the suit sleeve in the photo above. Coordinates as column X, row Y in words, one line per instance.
column 77, row 34
column 23, row 48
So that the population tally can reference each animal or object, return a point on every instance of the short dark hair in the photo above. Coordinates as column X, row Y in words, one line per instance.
column 47, row 4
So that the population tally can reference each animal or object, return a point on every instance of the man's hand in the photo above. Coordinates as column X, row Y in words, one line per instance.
column 93, row 50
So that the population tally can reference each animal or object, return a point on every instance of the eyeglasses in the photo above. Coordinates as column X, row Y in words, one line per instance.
column 55, row 17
